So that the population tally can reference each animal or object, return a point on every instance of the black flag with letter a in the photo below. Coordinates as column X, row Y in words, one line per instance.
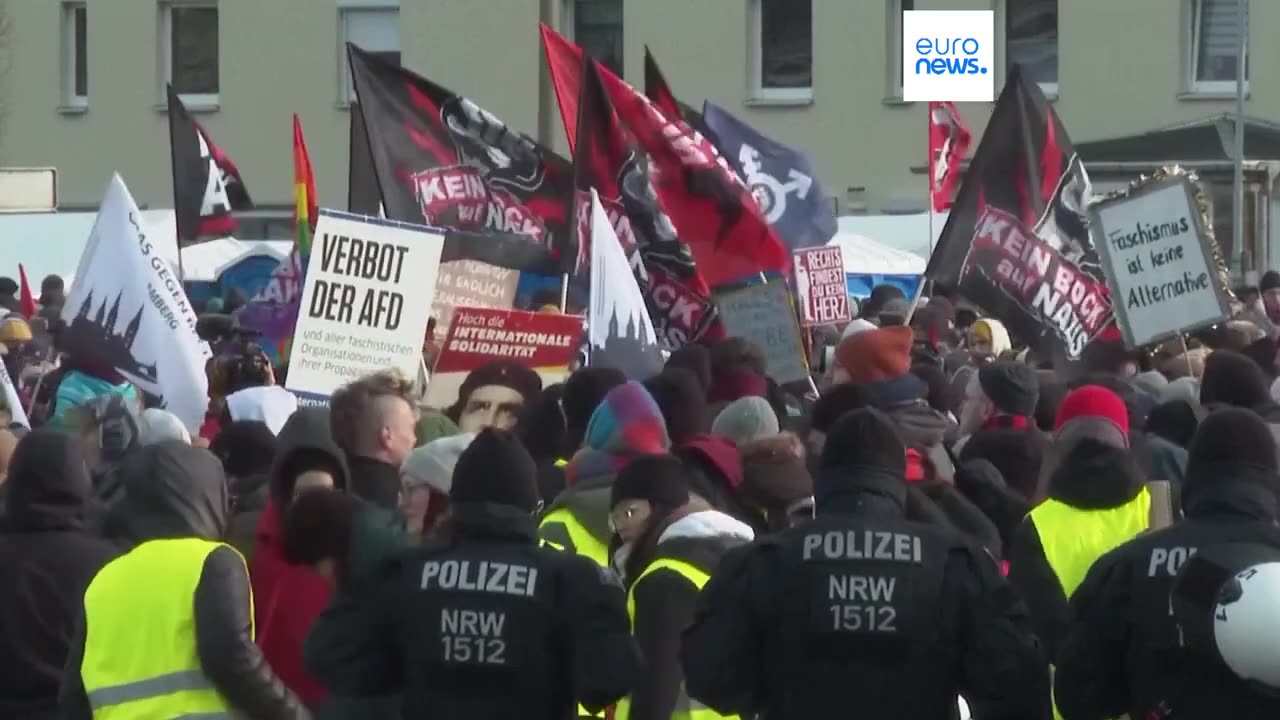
column 206, row 185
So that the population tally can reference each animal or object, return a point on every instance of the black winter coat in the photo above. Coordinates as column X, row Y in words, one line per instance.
column 762, row 640
column 173, row 490
column 1121, row 653
column 47, row 559
column 569, row 641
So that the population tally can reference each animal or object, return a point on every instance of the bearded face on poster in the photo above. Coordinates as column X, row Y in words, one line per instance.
column 494, row 395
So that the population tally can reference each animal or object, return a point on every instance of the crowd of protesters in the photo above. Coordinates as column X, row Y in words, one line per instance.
column 942, row 522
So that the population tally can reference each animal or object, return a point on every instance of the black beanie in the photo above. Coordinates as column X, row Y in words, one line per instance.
column 245, row 447
column 583, row 392
column 865, row 438
column 1262, row 352
column 496, row 468
column 660, row 479
column 694, row 358
column 1011, row 386
column 1232, row 436
column 683, row 403
column 1270, row 281
column 835, row 404
column 1174, row 421
column 1233, row 379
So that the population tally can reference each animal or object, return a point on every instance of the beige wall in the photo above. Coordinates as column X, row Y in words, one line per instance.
column 1121, row 70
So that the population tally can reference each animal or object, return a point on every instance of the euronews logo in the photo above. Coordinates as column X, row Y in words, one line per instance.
column 947, row 55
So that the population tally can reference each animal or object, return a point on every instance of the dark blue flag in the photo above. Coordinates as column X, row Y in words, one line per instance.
column 781, row 178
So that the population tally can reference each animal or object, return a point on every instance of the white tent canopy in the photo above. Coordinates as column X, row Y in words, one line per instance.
column 864, row 256
column 901, row 232
column 206, row 261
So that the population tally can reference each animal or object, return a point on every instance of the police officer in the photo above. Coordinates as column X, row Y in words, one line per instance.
column 482, row 622
column 1123, row 652
column 862, row 611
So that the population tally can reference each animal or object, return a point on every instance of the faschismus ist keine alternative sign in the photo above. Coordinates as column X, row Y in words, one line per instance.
column 820, row 286
column 1157, row 258
column 545, row 343
column 365, row 303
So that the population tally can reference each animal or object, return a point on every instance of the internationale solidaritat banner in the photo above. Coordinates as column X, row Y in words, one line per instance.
column 365, row 303
column 543, row 342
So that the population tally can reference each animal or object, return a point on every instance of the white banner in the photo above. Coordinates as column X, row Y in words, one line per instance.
column 127, row 307
column 619, row 330
column 366, row 301
column 16, row 411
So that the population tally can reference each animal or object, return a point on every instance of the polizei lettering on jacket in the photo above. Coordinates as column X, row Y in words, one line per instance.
column 863, row 545
column 482, row 576
column 1166, row 562
column 472, row 637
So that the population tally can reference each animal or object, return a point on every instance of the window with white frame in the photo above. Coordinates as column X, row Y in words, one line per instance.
column 75, row 55
column 1215, row 36
column 597, row 28
column 782, row 35
column 373, row 28
column 1031, row 40
column 896, row 8
column 189, row 43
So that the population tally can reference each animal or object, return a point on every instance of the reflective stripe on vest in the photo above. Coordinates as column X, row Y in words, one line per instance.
column 140, row 658
column 584, row 543
column 686, row 707
column 562, row 463
column 1073, row 539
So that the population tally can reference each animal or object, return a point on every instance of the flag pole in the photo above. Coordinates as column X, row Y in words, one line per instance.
column 564, row 293
column 1237, row 182
column 173, row 175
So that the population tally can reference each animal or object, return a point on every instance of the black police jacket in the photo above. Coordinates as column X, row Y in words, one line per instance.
column 484, row 624
column 1121, row 653
column 861, row 609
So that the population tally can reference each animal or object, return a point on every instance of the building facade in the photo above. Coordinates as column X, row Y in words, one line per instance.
column 84, row 85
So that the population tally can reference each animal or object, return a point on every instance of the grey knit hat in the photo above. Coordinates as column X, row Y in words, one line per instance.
column 432, row 464
column 746, row 419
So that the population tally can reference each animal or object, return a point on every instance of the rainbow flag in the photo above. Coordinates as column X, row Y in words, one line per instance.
column 304, row 194
column 274, row 311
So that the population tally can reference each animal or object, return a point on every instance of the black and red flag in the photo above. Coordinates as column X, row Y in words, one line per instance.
column 206, row 185
column 657, row 90
column 710, row 207
column 675, row 294
column 442, row 160
column 363, row 195
column 1017, row 240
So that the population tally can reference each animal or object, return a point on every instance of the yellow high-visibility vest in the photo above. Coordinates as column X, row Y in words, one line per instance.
column 1073, row 539
column 686, row 707
column 562, row 528
column 140, row 659
column 565, row 521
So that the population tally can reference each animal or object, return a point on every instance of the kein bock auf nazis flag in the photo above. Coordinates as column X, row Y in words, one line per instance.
column 1017, row 241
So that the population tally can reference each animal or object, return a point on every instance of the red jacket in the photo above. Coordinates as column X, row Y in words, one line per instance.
column 286, row 601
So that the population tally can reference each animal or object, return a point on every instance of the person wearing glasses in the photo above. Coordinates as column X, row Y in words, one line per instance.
column 479, row 620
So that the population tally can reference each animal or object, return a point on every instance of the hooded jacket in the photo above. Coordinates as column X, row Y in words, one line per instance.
column 759, row 643
column 288, row 599
column 1121, row 653
column 176, row 491
column 665, row 600
column 627, row 425
column 47, row 559
column 1090, row 476
column 932, row 495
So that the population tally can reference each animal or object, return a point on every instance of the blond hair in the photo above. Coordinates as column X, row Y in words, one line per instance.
column 356, row 409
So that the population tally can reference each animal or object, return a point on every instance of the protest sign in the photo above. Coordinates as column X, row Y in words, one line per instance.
column 545, row 343
column 1157, row 256
column 127, row 309
column 365, row 303
column 763, row 315
column 12, row 401
column 820, row 286
column 470, row 283
column 621, row 333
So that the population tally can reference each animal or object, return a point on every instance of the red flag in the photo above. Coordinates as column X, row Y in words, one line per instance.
column 949, row 140
column 26, row 301
column 709, row 204
column 564, row 62
column 676, row 296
